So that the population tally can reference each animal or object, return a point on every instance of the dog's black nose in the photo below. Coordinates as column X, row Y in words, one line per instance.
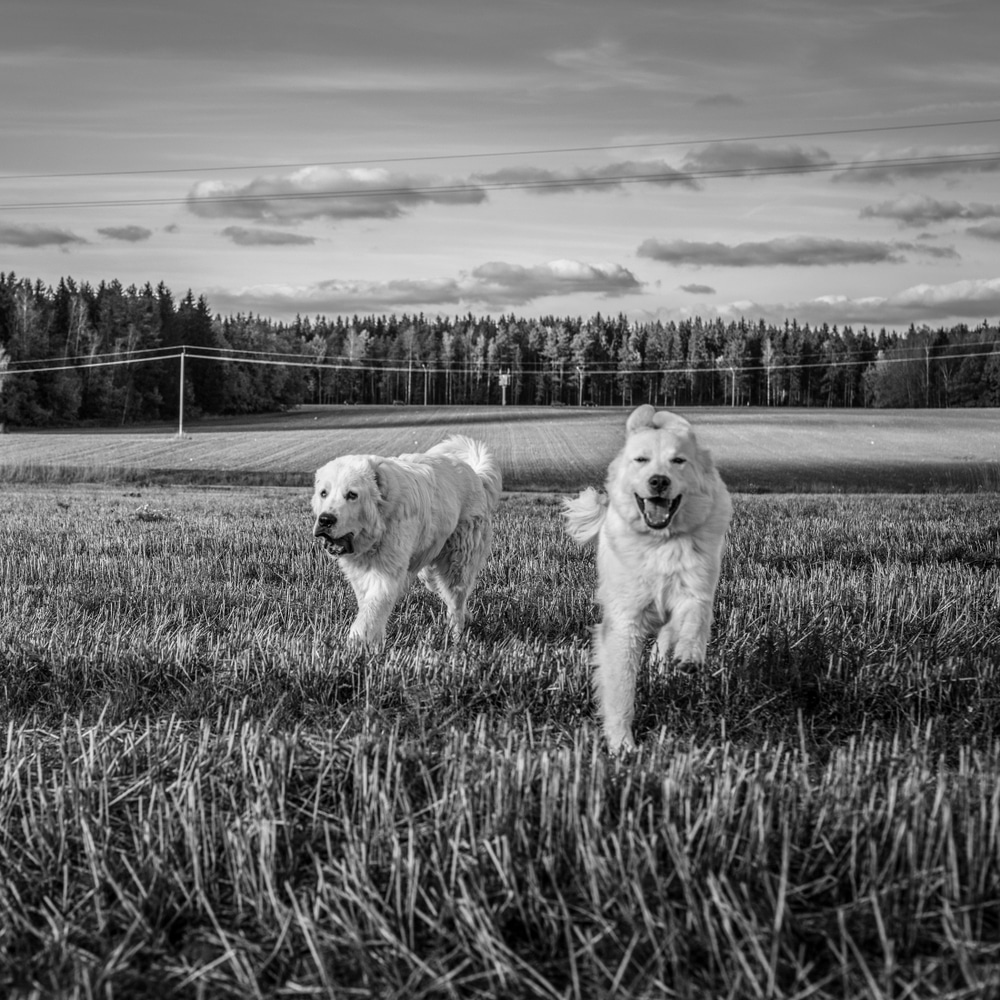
column 659, row 484
column 326, row 519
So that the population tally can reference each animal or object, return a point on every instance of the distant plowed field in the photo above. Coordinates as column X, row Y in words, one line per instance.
column 539, row 448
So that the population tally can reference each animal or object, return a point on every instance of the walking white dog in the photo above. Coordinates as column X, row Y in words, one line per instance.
column 660, row 533
column 387, row 521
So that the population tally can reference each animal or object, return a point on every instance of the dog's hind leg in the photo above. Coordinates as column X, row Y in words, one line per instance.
column 435, row 580
column 454, row 573
column 665, row 642
column 618, row 649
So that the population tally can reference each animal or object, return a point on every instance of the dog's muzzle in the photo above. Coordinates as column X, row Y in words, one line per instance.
column 326, row 530
column 658, row 508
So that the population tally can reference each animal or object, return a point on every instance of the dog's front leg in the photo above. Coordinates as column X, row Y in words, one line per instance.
column 376, row 597
column 617, row 651
column 692, row 622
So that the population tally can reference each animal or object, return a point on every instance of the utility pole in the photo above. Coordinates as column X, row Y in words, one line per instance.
column 180, row 405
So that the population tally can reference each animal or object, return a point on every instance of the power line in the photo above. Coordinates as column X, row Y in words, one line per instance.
column 498, row 153
column 673, row 176
column 190, row 354
column 348, row 362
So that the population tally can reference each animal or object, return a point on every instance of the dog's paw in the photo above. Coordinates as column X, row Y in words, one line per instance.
column 621, row 745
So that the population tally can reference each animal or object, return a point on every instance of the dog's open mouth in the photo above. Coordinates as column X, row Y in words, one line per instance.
column 658, row 512
column 340, row 546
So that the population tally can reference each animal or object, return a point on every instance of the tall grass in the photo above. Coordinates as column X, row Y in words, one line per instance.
column 203, row 793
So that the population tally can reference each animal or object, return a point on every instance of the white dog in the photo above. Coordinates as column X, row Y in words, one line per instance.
column 660, row 532
column 389, row 520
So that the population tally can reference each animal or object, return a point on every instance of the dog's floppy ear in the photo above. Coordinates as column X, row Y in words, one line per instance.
column 647, row 416
column 391, row 485
column 382, row 478
column 664, row 418
column 640, row 418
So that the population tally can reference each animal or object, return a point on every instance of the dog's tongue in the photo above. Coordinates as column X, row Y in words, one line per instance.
column 657, row 512
column 344, row 545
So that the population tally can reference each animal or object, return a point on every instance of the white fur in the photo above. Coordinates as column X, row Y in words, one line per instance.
column 651, row 580
column 428, row 515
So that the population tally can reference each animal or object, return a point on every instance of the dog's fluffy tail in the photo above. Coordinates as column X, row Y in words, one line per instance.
column 477, row 455
column 584, row 515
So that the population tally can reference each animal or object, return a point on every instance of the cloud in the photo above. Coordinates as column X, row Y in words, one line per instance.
column 959, row 301
column 929, row 250
column 128, row 234
column 793, row 251
column 243, row 237
column 920, row 210
column 747, row 158
column 698, row 289
column 327, row 192
column 37, row 236
column 926, row 163
column 987, row 231
column 720, row 101
column 494, row 285
column 609, row 65
column 609, row 177
column 510, row 284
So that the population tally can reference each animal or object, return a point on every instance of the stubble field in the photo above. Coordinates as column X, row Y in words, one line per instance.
column 539, row 448
column 203, row 793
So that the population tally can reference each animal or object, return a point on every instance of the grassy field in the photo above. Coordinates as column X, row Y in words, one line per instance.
column 204, row 794
column 539, row 448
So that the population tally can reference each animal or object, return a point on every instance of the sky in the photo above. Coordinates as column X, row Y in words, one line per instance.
column 820, row 160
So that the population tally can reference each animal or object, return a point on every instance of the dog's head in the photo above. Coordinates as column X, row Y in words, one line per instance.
column 347, row 502
column 661, row 479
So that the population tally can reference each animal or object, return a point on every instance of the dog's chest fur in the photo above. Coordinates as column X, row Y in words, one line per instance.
column 653, row 570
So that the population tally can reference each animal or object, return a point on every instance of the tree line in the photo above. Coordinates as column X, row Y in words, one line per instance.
column 99, row 355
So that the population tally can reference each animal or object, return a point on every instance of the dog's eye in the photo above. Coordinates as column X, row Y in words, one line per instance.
column 322, row 494
column 350, row 495
column 678, row 460
column 642, row 459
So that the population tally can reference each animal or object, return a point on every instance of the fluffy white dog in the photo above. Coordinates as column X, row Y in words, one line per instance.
column 387, row 521
column 660, row 532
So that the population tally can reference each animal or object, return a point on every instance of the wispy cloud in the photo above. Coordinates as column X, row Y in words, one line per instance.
column 987, row 231
column 244, row 237
column 794, row 251
column 965, row 300
column 608, row 177
column 127, row 234
column 328, row 192
column 922, row 210
column 38, row 236
column 720, row 101
column 920, row 164
column 609, row 64
column 747, row 158
column 698, row 289
column 494, row 285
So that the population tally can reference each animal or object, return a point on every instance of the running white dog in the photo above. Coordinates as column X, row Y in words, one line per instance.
column 389, row 520
column 660, row 533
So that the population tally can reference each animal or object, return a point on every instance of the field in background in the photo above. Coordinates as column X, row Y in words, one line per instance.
column 204, row 794
column 539, row 448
